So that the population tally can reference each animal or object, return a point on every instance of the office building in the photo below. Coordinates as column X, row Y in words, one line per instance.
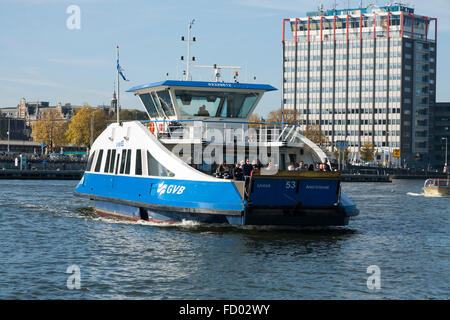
column 364, row 75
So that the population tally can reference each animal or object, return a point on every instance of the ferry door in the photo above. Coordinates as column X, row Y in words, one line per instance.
column 292, row 158
column 282, row 165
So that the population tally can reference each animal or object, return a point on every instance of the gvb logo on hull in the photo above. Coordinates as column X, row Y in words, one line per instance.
column 170, row 189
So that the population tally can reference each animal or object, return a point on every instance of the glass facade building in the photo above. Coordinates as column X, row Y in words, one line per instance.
column 364, row 75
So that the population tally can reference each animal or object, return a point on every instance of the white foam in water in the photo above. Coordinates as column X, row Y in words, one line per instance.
column 424, row 195
column 183, row 223
column 196, row 224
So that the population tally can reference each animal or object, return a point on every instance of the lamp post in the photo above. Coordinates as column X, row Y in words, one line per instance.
column 92, row 129
column 9, row 130
column 446, row 149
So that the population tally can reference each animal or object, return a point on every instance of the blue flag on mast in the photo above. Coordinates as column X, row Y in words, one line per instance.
column 121, row 71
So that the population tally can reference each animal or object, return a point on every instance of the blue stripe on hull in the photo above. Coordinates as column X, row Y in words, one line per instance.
column 200, row 195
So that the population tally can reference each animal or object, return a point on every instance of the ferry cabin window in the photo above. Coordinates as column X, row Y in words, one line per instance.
column 215, row 104
column 99, row 161
column 117, row 162
column 108, row 159
column 113, row 158
column 89, row 163
column 138, row 167
column 128, row 162
column 156, row 169
column 122, row 161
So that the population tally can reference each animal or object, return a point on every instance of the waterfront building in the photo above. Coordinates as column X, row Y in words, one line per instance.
column 364, row 75
column 13, row 129
column 8, row 112
column 441, row 128
column 110, row 109
column 32, row 111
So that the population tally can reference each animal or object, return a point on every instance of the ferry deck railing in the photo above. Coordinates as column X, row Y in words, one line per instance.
column 195, row 130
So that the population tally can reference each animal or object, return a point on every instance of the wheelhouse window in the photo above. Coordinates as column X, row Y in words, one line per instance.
column 165, row 102
column 215, row 103
column 156, row 169
column 149, row 105
column 158, row 104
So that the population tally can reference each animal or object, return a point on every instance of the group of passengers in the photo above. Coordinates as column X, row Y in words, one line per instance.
column 301, row 166
column 240, row 171
column 243, row 170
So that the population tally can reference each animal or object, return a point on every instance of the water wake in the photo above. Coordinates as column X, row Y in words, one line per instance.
column 424, row 195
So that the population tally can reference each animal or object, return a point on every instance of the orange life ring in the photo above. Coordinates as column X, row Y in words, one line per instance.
column 160, row 127
column 151, row 127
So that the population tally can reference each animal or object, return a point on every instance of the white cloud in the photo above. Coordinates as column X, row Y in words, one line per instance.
column 33, row 82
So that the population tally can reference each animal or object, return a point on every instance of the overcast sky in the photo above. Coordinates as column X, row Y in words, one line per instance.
column 42, row 60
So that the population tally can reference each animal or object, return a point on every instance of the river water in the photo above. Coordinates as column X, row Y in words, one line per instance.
column 46, row 232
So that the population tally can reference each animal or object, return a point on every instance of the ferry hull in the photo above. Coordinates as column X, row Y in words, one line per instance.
column 336, row 216
column 293, row 200
column 172, row 215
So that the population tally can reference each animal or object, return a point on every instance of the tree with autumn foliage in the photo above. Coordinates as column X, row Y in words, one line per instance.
column 367, row 151
column 79, row 132
column 50, row 129
column 130, row 115
column 256, row 119
column 316, row 135
column 343, row 154
column 290, row 116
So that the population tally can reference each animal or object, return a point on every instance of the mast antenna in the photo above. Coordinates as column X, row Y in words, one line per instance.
column 188, row 62
column 217, row 69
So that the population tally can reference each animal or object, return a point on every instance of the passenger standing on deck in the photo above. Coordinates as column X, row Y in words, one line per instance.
column 326, row 165
column 238, row 173
column 247, row 169
column 300, row 166
column 291, row 167
column 223, row 171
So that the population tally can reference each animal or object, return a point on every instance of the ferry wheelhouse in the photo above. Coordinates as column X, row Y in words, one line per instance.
column 163, row 169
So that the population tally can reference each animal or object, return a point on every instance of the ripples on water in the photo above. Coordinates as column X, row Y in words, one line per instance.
column 45, row 229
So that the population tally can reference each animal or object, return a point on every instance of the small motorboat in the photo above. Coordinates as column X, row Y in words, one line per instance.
column 437, row 187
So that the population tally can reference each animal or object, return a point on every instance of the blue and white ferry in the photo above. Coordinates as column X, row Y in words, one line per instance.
column 162, row 170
